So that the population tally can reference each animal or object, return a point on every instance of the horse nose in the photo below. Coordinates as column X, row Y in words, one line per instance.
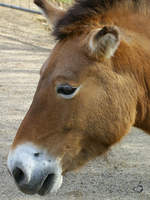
column 34, row 171
column 38, row 184
column 31, row 180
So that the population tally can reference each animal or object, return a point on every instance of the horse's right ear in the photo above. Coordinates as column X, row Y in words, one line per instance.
column 104, row 41
column 50, row 11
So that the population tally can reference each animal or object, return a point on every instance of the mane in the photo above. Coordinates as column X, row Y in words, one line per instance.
column 87, row 13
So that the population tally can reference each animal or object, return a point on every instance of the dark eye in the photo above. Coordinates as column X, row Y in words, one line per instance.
column 67, row 91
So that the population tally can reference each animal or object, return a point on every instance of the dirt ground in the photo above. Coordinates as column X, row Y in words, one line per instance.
column 124, row 174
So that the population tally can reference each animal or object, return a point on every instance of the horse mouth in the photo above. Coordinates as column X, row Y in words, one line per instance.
column 47, row 185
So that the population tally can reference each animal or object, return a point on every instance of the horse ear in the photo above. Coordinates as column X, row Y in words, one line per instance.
column 50, row 11
column 104, row 42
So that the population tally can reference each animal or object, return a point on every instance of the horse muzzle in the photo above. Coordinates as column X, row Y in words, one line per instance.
column 33, row 170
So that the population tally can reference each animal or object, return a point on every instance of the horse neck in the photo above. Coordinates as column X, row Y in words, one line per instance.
column 133, row 60
column 143, row 88
column 143, row 106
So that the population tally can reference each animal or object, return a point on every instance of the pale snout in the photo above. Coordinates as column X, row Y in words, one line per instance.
column 33, row 170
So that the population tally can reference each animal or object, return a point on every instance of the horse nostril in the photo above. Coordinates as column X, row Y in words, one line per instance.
column 18, row 175
column 48, row 183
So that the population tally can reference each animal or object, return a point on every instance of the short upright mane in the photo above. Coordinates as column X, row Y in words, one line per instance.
column 85, row 12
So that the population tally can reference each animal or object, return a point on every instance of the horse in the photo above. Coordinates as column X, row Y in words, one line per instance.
column 93, row 88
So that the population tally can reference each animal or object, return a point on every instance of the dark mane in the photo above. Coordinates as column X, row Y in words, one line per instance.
column 82, row 13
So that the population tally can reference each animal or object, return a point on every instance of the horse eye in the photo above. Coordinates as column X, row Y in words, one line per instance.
column 67, row 91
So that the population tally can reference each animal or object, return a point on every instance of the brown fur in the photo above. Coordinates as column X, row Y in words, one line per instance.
column 115, row 92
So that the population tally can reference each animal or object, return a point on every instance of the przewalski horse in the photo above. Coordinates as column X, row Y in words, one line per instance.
column 93, row 87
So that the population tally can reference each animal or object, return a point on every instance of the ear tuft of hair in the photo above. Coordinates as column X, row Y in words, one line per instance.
column 105, row 41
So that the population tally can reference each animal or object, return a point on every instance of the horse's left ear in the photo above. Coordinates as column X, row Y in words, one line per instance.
column 104, row 42
column 51, row 12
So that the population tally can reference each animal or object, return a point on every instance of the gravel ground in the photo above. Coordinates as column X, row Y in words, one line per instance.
column 122, row 174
